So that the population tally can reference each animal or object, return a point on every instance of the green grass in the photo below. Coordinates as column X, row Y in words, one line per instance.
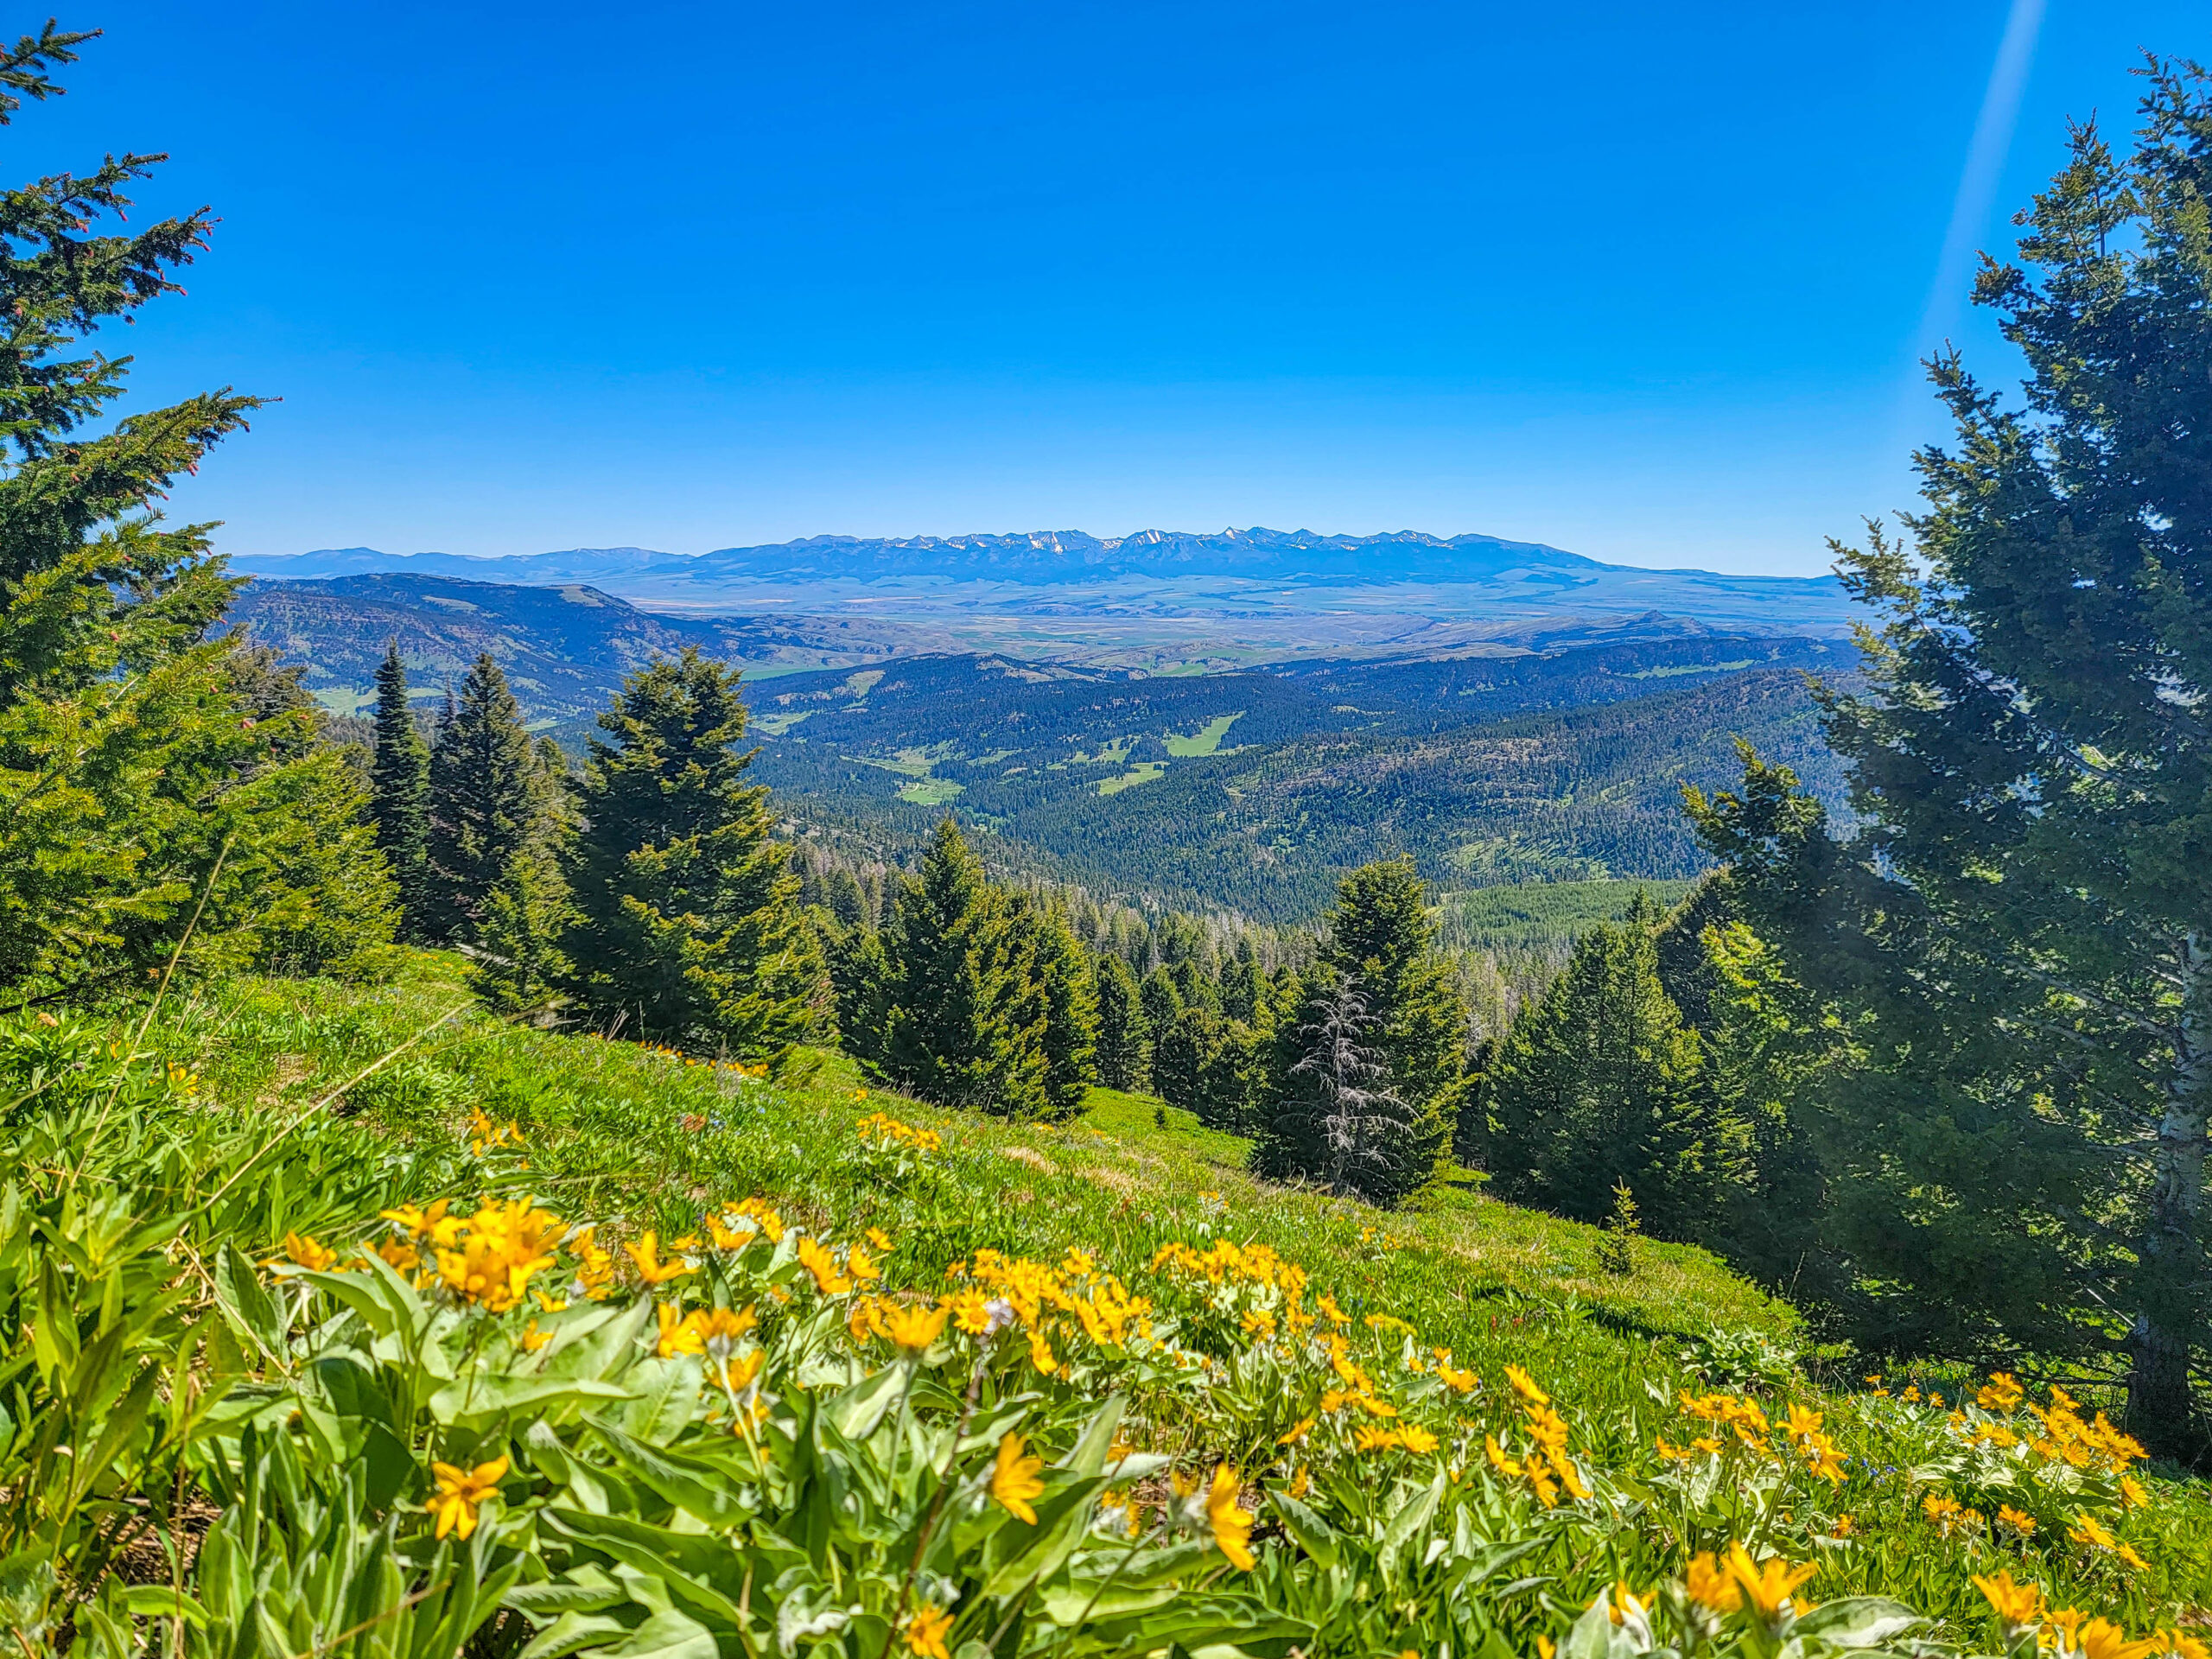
column 1539, row 912
column 1143, row 772
column 929, row 791
column 635, row 1138
column 1206, row 740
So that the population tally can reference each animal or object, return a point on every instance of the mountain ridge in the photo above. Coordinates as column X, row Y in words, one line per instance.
column 1038, row 556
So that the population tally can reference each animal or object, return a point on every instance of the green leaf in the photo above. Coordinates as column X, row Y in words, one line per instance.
column 670, row 1635
column 664, row 1394
column 855, row 1412
column 1088, row 1455
column 1409, row 1520
column 1856, row 1622
column 162, row 1601
column 1310, row 1532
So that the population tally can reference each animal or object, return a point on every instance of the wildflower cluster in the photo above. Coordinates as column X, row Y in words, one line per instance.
column 1740, row 1424
column 2023, row 1617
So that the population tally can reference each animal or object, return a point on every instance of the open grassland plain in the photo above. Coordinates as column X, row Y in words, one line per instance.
column 352, row 1320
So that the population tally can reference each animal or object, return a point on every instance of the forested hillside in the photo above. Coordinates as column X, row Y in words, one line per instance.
column 1260, row 811
column 564, row 649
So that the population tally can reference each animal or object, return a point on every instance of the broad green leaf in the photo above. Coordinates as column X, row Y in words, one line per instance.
column 855, row 1412
column 1856, row 1622
column 1311, row 1534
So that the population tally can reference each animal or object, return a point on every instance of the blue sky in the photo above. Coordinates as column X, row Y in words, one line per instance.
column 1648, row 282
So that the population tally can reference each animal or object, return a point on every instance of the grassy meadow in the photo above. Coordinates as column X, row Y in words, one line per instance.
column 1474, row 1334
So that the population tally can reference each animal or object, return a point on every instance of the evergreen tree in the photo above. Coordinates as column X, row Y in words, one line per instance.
column 129, row 762
column 1598, row 1082
column 688, row 921
column 1181, row 1053
column 485, row 801
column 1124, row 1047
column 1160, row 1001
column 400, row 797
column 1062, row 988
column 961, row 1025
column 520, row 962
column 1233, row 1077
column 1379, row 938
column 2018, row 936
column 860, row 977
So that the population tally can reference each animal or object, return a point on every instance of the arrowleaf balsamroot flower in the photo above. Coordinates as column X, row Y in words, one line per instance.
column 1766, row 1584
column 1525, row 1386
column 815, row 1257
column 2103, row 1639
column 1014, row 1480
column 645, row 1252
column 913, row 1330
column 1232, row 1526
column 2016, row 1605
column 1710, row 1584
column 1040, row 1354
column 926, row 1630
column 305, row 1251
column 461, row 1492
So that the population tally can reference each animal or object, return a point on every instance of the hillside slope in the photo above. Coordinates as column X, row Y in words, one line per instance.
column 643, row 1143
column 565, row 649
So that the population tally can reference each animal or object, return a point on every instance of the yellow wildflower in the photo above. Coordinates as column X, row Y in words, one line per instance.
column 2101, row 1639
column 1712, row 1585
column 914, row 1329
column 817, row 1261
column 1766, row 1584
column 971, row 1310
column 677, row 1334
column 926, row 1630
column 2016, row 1605
column 1417, row 1441
column 304, row 1251
column 2001, row 1393
column 1525, row 1386
column 878, row 1240
column 1947, row 1515
column 1298, row 1432
column 533, row 1338
column 402, row 1258
column 645, row 1252
column 1232, row 1526
column 461, row 1493
column 2014, row 1521
column 1041, row 1355
column 858, row 1264
column 1367, row 1438
column 2132, row 1493
column 1457, row 1381
column 1014, row 1481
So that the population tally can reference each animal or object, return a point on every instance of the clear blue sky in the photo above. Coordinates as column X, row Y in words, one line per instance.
column 1645, row 282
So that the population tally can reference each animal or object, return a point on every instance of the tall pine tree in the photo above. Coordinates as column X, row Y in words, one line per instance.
column 2018, row 936
column 129, row 760
column 1598, row 1082
column 1379, row 936
column 688, row 924
column 400, row 797
column 484, row 802
column 1124, row 1047
column 961, row 1025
